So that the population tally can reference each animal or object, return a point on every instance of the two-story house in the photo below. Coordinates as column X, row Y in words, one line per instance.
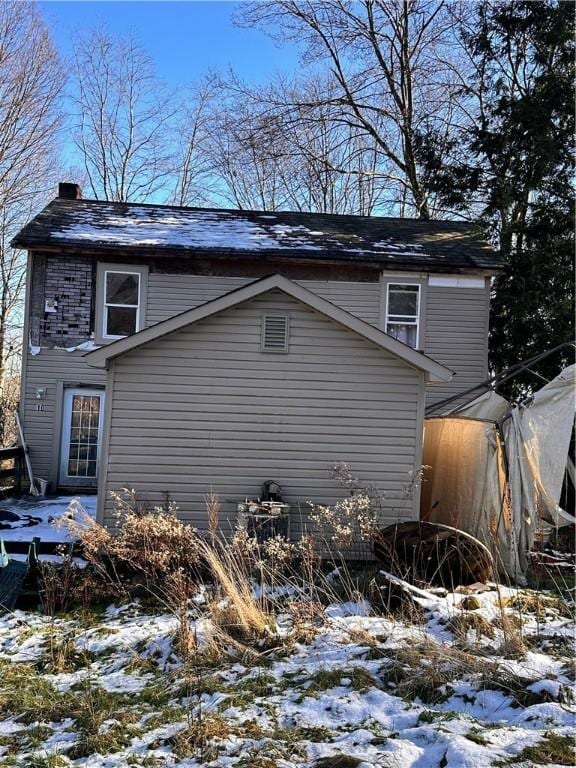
column 182, row 349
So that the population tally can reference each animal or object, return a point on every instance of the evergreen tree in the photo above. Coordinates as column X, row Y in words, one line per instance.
column 516, row 159
column 527, row 140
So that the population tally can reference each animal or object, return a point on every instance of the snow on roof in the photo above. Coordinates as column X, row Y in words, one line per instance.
column 197, row 229
column 97, row 225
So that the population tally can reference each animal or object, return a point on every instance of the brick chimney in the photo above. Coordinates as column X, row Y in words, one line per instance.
column 69, row 191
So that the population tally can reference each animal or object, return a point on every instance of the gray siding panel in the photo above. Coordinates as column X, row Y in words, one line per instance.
column 170, row 294
column 204, row 408
column 42, row 428
column 319, row 376
column 457, row 336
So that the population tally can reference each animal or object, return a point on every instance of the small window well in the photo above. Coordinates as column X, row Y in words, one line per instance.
column 275, row 333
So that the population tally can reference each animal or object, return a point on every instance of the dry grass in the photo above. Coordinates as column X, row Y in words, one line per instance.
column 464, row 623
column 213, row 512
column 196, row 739
column 513, row 646
column 553, row 749
column 243, row 613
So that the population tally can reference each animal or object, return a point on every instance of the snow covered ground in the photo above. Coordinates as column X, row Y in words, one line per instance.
column 38, row 515
column 348, row 687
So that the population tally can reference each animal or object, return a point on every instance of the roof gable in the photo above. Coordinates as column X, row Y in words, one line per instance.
column 93, row 225
column 435, row 371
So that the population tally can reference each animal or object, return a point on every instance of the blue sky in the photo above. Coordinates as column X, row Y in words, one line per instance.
column 185, row 39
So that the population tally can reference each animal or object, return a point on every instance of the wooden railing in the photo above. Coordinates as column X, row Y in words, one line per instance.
column 12, row 470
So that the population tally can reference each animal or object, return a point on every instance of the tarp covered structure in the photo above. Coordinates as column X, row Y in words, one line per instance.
column 496, row 472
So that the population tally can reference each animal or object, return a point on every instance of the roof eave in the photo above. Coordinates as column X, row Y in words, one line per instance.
column 417, row 264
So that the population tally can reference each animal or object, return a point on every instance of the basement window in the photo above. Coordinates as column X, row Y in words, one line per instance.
column 403, row 312
column 275, row 329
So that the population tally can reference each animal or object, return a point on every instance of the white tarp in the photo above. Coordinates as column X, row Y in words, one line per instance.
column 465, row 481
column 464, row 484
column 537, row 438
column 490, row 406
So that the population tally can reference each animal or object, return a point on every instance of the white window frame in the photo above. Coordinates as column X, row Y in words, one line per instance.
column 106, row 304
column 407, row 319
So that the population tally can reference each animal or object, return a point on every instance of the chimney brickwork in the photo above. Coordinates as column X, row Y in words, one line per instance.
column 69, row 191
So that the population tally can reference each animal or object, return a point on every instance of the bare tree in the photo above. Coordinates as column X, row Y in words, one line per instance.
column 336, row 167
column 271, row 151
column 124, row 119
column 246, row 158
column 31, row 79
column 195, row 121
column 386, row 59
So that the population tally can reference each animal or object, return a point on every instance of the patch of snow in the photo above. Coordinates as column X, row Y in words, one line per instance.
column 48, row 512
column 121, row 682
column 10, row 726
column 85, row 346
column 341, row 610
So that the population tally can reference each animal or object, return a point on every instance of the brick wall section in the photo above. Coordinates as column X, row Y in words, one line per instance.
column 69, row 280
column 36, row 310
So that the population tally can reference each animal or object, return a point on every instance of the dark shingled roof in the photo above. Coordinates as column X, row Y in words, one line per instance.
column 387, row 242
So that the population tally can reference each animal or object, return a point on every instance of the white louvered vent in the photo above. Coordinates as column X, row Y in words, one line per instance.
column 275, row 333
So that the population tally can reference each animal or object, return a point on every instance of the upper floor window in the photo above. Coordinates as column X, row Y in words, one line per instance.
column 120, row 301
column 403, row 312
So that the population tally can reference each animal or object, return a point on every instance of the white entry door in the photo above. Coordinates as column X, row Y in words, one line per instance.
column 82, row 419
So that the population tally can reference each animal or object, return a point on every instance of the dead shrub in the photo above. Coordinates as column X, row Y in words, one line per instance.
column 352, row 518
column 154, row 543
column 307, row 617
column 178, row 590
column 57, row 585
column 64, row 584
column 145, row 547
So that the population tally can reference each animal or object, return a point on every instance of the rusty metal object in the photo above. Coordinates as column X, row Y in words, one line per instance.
column 432, row 553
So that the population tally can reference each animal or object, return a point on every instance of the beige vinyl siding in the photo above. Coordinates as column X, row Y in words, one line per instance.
column 204, row 408
column 53, row 369
column 457, row 336
column 170, row 294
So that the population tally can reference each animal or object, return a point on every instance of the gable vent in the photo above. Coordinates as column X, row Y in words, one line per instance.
column 275, row 333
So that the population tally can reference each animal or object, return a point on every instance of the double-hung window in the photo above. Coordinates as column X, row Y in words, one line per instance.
column 403, row 312
column 121, row 316
column 121, row 291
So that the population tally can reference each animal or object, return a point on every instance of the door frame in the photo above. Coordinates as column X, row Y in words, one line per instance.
column 64, row 427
